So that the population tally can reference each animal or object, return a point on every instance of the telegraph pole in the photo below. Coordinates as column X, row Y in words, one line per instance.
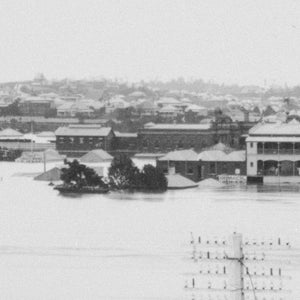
column 235, row 270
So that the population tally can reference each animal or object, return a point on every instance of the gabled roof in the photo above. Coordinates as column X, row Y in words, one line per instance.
column 8, row 132
column 177, row 181
column 96, row 156
column 83, row 130
column 180, row 155
column 217, row 155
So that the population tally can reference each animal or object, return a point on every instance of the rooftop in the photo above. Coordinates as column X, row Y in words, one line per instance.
column 83, row 130
column 276, row 129
column 178, row 126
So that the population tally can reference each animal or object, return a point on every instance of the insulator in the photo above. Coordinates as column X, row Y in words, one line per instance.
column 247, row 270
column 208, row 255
column 279, row 271
column 199, row 239
column 279, row 241
column 193, row 282
column 224, row 270
column 271, row 272
column 209, row 285
column 207, row 242
column 271, row 285
column 225, row 285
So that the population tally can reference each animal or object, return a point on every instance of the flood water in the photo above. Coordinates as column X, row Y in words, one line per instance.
column 126, row 246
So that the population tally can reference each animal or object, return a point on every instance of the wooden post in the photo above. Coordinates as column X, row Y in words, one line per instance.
column 236, row 280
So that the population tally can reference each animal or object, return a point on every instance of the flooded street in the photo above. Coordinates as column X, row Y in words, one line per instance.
column 126, row 246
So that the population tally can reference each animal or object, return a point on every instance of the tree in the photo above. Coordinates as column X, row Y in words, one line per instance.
column 80, row 175
column 125, row 175
column 123, row 172
column 154, row 178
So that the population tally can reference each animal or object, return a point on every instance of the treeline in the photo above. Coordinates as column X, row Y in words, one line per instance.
column 122, row 175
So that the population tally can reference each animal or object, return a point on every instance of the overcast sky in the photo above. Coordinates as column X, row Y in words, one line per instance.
column 231, row 41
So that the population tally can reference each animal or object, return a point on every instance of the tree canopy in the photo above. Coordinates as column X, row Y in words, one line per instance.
column 125, row 175
column 80, row 175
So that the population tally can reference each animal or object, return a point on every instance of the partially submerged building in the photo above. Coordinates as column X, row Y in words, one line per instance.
column 273, row 152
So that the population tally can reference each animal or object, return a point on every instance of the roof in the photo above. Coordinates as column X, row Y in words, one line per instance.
column 83, row 130
column 8, row 132
column 221, row 147
column 275, row 139
column 96, row 156
column 125, row 134
column 50, row 175
column 181, row 155
column 46, row 134
column 178, row 126
column 177, row 181
column 169, row 108
column 217, row 155
column 194, row 107
column 276, row 129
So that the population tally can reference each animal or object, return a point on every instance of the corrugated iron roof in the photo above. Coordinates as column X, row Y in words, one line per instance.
column 83, row 130
column 291, row 128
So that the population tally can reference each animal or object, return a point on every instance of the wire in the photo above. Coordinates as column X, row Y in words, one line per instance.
column 253, row 288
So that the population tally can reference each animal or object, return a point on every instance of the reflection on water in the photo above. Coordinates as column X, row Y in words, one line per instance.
column 126, row 245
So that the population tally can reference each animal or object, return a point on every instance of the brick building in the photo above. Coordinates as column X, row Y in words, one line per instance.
column 76, row 140
column 168, row 137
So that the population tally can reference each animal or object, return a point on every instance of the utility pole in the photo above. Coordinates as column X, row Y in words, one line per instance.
column 235, row 270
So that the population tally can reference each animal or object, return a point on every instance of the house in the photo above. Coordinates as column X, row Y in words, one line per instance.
column 199, row 110
column 273, row 152
column 70, row 109
column 206, row 164
column 76, row 140
column 169, row 112
column 35, row 106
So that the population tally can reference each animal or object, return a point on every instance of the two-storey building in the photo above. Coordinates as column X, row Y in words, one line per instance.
column 273, row 152
column 76, row 140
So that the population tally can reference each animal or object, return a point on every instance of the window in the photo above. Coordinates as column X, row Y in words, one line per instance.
column 190, row 170
column 61, row 140
column 72, row 140
column 91, row 140
column 81, row 140
column 251, row 145
column 251, row 164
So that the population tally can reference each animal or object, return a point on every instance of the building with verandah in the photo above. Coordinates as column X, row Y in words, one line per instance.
column 273, row 152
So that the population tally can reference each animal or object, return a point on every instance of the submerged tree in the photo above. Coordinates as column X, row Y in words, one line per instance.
column 125, row 175
column 80, row 175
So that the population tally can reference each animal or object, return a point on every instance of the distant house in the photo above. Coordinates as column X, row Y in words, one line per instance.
column 76, row 140
column 169, row 111
column 70, row 109
column 35, row 106
column 115, row 103
column 199, row 110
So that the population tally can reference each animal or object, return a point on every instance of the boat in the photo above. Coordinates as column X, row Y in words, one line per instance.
column 81, row 190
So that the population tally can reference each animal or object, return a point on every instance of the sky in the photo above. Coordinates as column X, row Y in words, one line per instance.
column 226, row 41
